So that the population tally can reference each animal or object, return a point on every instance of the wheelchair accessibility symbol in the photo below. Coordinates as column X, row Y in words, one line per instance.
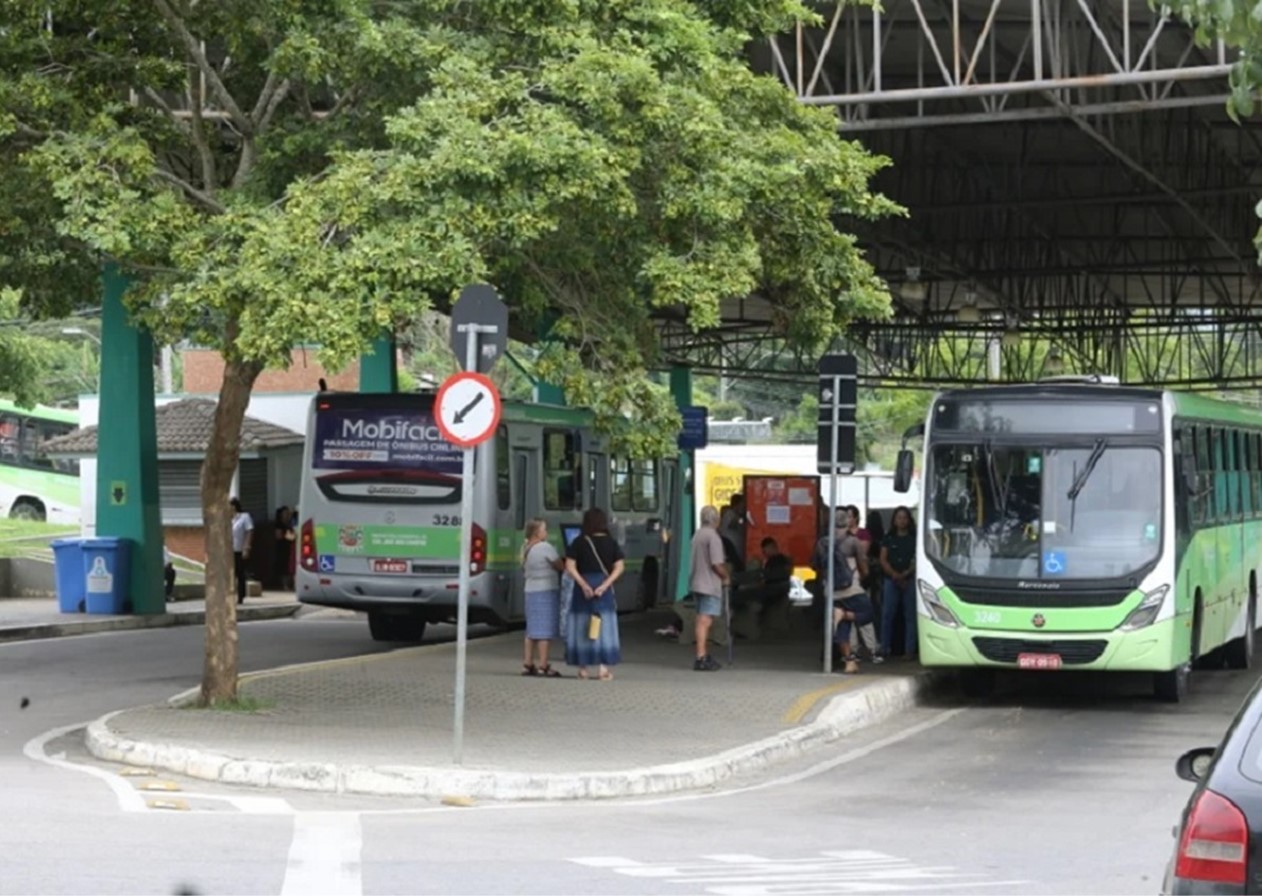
column 1054, row 563
column 328, row 563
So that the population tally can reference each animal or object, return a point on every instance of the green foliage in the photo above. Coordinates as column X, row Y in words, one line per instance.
column 602, row 162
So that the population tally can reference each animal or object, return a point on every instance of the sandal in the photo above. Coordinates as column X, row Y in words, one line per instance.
column 582, row 673
column 606, row 675
column 528, row 670
column 548, row 672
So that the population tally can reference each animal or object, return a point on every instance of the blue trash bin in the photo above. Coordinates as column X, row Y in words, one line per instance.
column 106, row 575
column 68, row 574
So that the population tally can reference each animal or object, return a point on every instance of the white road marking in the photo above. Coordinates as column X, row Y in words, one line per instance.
column 325, row 855
column 129, row 799
column 838, row 871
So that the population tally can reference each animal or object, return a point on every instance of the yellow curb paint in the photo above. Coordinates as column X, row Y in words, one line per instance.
column 463, row 801
column 131, row 772
column 802, row 706
column 176, row 805
column 160, row 785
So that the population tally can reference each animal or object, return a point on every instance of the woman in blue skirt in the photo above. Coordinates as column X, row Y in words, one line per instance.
column 540, row 565
column 594, row 561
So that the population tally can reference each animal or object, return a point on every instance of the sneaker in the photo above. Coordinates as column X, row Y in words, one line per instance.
column 706, row 664
column 877, row 659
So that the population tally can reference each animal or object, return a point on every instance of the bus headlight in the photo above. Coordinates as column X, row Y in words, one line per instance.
column 1146, row 613
column 937, row 609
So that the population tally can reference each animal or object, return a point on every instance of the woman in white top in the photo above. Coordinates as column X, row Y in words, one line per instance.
column 542, row 568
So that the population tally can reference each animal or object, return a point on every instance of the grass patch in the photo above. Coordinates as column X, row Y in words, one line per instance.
column 21, row 537
column 241, row 704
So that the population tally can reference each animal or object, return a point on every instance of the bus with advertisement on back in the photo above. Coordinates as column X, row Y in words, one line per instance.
column 1087, row 526
column 33, row 486
column 379, row 509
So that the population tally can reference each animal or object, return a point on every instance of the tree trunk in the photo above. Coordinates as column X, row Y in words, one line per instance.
column 219, row 674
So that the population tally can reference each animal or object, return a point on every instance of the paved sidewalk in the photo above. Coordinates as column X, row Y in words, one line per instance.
column 383, row 724
column 31, row 618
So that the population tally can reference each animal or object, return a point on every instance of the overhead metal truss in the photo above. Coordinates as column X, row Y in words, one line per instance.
column 1074, row 187
column 918, row 63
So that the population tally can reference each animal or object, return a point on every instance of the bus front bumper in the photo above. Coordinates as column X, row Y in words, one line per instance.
column 1147, row 649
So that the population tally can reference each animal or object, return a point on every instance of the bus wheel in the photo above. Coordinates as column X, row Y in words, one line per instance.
column 1239, row 653
column 27, row 509
column 393, row 627
column 977, row 683
column 1172, row 686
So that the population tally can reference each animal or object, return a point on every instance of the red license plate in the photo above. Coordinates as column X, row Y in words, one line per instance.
column 1038, row 660
column 391, row 566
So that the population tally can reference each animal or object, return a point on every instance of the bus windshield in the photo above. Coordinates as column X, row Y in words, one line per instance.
column 1050, row 512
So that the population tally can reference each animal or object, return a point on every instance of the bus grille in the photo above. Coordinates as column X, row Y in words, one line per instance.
column 1072, row 653
column 1012, row 597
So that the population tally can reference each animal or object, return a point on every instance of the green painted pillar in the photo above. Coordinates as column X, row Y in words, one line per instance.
column 681, row 392
column 379, row 368
column 127, row 504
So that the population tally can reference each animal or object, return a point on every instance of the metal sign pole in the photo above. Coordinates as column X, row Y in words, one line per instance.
column 832, row 532
column 466, row 556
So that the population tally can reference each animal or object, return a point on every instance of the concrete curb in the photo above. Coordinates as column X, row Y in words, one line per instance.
column 843, row 713
column 41, row 630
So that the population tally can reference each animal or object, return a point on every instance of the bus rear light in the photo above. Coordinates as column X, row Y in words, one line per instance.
column 1215, row 842
column 477, row 552
column 937, row 609
column 306, row 546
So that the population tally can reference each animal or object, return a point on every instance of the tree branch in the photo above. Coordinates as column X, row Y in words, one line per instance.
column 273, row 104
column 210, row 203
column 210, row 176
column 195, row 52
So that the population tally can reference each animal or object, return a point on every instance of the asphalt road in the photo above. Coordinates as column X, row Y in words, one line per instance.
column 1063, row 784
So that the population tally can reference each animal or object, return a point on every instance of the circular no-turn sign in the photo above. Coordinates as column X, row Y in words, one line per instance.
column 467, row 409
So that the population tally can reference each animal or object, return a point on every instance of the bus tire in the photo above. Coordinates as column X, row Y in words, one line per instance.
column 391, row 627
column 977, row 683
column 1239, row 653
column 1172, row 686
column 27, row 509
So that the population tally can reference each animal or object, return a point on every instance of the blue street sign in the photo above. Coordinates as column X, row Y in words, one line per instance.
column 694, row 434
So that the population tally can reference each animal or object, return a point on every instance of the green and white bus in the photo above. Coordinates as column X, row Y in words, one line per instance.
column 33, row 486
column 1086, row 525
column 379, row 511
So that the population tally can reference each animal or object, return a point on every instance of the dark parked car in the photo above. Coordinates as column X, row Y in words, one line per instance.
column 1219, row 848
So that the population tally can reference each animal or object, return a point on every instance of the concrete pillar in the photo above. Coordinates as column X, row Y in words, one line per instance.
column 682, row 527
column 127, row 503
column 379, row 367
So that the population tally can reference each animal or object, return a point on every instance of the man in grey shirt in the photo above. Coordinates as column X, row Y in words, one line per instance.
column 706, row 579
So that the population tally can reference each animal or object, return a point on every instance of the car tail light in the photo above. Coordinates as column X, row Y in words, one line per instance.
column 306, row 547
column 1215, row 842
column 477, row 552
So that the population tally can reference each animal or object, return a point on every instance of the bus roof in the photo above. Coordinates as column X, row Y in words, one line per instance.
column 41, row 412
column 1205, row 408
column 1055, row 390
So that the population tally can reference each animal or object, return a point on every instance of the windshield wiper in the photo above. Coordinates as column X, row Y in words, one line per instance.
column 1085, row 473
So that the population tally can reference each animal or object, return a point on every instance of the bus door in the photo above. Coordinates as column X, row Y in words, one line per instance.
column 526, row 506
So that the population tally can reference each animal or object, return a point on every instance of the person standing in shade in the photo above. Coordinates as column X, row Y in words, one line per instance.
column 898, row 561
column 707, row 577
column 594, row 561
column 731, row 525
column 168, row 573
column 540, row 566
column 242, row 538
column 283, row 559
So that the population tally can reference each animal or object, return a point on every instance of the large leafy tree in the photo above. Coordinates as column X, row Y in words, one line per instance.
column 274, row 171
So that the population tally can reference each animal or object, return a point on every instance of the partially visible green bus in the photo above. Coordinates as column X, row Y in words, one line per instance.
column 33, row 486
column 1077, row 525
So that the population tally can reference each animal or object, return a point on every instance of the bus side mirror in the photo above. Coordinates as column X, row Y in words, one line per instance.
column 903, row 469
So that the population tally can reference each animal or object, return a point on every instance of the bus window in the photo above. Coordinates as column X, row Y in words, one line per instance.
column 503, row 482
column 560, row 470
column 644, row 485
column 620, row 483
column 32, row 445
